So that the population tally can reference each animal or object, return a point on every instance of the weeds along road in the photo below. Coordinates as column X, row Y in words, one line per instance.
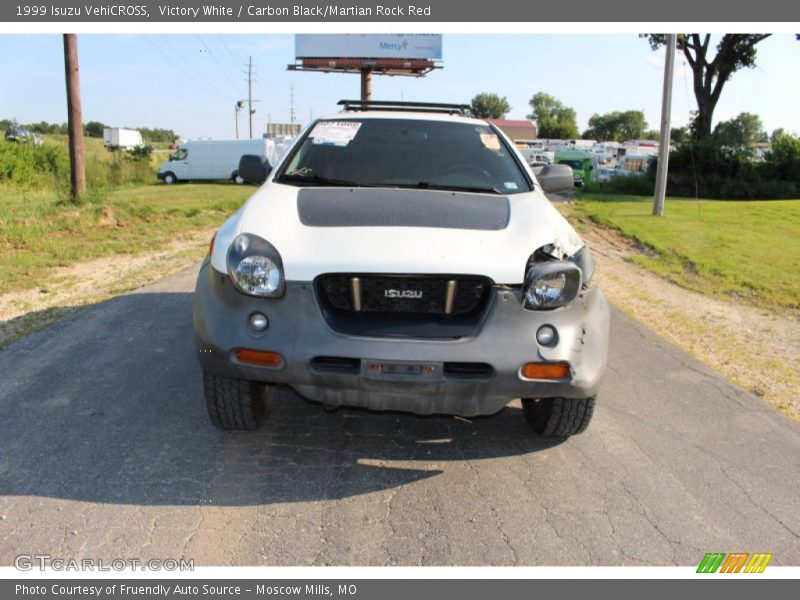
column 106, row 452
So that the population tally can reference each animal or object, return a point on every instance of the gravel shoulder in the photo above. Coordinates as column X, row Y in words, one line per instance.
column 88, row 282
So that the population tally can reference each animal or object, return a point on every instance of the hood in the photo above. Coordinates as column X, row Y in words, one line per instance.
column 378, row 230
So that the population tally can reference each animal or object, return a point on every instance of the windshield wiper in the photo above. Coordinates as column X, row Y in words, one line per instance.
column 319, row 180
column 427, row 185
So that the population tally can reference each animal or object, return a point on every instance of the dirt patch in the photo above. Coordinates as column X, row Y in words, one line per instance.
column 758, row 349
column 87, row 282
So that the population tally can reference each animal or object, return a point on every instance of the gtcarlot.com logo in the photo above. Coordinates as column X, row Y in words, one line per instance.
column 28, row 562
column 736, row 562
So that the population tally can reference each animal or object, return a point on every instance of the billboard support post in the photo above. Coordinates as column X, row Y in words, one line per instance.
column 366, row 84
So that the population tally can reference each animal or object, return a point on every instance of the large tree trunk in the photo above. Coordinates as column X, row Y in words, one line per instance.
column 701, row 128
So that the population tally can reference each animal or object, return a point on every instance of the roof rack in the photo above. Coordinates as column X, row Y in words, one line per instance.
column 364, row 105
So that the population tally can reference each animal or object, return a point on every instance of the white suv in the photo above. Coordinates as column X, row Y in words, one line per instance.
column 402, row 256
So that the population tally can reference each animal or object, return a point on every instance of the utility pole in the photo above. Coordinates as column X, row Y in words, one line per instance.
column 663, row 144
column 250, row 93
column 291, row 104
column 74, row 116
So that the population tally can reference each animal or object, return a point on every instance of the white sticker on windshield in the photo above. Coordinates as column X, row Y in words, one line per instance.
column 490, row 141
column 510, row 185
column 335, row 133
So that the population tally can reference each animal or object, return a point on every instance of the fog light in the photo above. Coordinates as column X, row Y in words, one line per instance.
column 546, row 335
column 259, row 322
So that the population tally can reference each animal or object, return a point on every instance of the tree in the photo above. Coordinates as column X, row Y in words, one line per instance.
column 780, row 131
column 553, row 119
column 741, row 131
column 617, row 126
column 489, row 106
column 733, row 53
column 784, row 158
column 679, row 135
column 93, row 129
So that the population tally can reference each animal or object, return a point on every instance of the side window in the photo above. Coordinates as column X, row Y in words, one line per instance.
column 181, row 154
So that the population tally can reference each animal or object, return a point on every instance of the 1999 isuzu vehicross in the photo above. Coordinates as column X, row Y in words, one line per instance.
column 402, row 256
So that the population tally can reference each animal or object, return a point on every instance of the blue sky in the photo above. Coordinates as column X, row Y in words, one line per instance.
column 191, row 82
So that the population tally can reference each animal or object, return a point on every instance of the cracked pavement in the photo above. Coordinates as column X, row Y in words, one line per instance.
column 106, row 452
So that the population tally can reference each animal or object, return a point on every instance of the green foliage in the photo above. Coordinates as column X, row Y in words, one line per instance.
column 39, row 232
column 143, row 153
column 93, row 129
column 642, row 185
column 679, row 135
column 743, row 249
column 33, row 167
column 616, row 126
column 783, row 161
column 742, row 131
column 553, row 119
column 709, row 169
column 489, row 106
column 46, row 167
column 158, row 135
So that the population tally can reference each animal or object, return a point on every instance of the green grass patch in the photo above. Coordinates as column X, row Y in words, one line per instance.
column 39, row 232
column 748, row 249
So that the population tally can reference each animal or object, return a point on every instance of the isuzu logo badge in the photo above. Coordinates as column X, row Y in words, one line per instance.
column 416, row 294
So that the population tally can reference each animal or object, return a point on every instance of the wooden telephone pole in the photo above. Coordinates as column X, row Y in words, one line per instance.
column 74, row 116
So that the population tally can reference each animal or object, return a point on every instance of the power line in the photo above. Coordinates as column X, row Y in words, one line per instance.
column 219, row 66
column 188, row 71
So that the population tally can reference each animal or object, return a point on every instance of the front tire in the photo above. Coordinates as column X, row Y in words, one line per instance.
column 236, row 404
column 558, row 417
column 170, row 178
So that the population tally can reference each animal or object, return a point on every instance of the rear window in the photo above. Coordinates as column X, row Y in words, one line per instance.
column 405, row 153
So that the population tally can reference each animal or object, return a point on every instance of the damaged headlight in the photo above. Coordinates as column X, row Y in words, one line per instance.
column 255, row 267
column 550, row 285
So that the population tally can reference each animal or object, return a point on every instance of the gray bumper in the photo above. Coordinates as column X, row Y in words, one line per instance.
column 506, row 340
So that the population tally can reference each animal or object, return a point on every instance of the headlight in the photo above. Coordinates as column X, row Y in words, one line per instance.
column 255, row 267
column 550, row 285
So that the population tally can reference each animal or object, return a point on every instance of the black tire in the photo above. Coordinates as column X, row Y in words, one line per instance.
column 236, row 404
column 558, row 417
column 170, row 178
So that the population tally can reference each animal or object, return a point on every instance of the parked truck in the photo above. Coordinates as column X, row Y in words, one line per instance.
column 119, row 138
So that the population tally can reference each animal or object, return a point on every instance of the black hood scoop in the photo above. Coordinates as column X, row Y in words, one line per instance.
column 381, row 207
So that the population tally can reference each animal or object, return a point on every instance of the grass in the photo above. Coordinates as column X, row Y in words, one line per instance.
column 38, row 232
column 746, row 249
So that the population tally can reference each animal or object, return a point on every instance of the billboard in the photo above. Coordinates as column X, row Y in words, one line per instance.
column 367, row 45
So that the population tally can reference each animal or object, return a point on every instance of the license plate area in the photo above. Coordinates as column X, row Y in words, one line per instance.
column 401, row 370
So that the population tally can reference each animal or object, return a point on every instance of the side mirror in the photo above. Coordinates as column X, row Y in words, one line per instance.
column 555, row 178
column 254, row 168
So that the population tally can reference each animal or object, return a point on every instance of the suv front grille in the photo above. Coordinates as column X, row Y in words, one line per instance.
column 388, row 305
column 413, row 294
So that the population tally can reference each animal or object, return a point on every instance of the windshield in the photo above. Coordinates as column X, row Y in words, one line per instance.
column 405, row 153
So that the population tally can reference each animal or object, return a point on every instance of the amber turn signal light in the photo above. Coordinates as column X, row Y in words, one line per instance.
column 545, row 370
column 211, row 244
column 257, row 357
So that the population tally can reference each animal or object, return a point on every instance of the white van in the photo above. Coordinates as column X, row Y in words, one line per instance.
column 210, row 159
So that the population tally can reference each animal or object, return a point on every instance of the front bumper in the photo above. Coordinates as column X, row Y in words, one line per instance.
column 505, row 340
